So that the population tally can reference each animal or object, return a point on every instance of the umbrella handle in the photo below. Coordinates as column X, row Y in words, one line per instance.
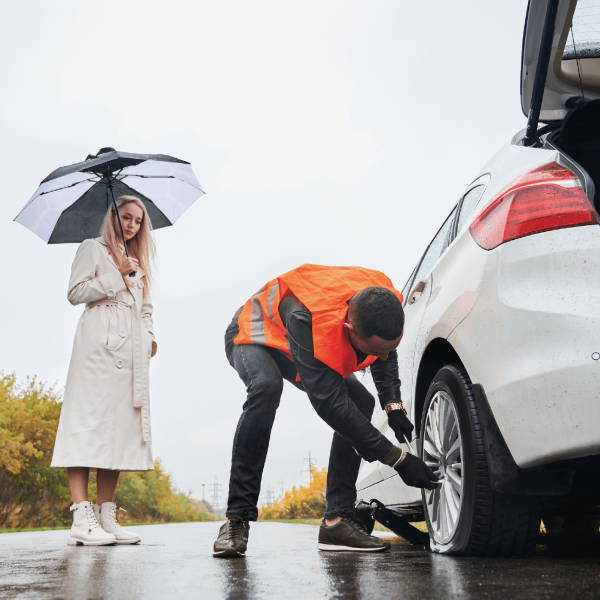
column 118, row 218
column 118, row 215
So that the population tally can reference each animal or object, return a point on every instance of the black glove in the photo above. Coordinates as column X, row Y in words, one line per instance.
column 414, row 472
column 400, row 424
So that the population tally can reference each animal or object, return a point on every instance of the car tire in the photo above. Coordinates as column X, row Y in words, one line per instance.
column 469, row 517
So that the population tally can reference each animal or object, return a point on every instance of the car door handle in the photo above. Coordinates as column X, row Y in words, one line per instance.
column 416, row 293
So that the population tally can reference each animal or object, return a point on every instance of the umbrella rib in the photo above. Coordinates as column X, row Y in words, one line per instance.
column 162, row 177
column 65, row 187
column 151, row 176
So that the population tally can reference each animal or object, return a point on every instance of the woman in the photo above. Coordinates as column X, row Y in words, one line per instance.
column 105, row 418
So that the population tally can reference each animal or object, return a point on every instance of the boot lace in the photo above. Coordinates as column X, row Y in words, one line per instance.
column 236, row 529
column 90, row 515
column 357, row 523
column 112, row 515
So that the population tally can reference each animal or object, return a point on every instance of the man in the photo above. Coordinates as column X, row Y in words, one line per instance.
column 315, row 326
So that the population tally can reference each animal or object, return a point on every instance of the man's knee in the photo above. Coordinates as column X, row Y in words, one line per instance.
column 266, row 386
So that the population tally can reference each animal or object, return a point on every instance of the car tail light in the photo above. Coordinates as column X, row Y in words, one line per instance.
column 549, row 197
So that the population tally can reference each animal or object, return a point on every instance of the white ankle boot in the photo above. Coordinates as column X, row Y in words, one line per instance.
column 107, row 517
column 86, row 530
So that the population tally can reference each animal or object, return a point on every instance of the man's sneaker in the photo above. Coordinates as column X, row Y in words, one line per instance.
column 233, row 538
column 349, row 535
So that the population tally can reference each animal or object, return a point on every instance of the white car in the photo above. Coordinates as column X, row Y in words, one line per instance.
column 500, row 360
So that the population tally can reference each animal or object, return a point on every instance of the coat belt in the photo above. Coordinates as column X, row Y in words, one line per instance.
column 140, row 366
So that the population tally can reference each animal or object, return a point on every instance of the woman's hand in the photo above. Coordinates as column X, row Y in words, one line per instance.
column 128, row 265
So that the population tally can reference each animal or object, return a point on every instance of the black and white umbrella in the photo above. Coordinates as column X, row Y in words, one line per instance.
column 71, row 203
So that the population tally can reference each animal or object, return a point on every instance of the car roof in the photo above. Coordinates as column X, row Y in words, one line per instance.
column 574, row 68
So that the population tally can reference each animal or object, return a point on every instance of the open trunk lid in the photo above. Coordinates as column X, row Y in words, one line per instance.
column 574, row 66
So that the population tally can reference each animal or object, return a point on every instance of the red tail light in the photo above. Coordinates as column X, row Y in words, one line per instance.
column 549, row 197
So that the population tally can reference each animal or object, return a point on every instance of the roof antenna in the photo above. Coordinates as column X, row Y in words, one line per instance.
column 577, row 63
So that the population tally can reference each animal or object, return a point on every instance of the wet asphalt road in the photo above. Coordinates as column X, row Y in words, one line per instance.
column 174, row 561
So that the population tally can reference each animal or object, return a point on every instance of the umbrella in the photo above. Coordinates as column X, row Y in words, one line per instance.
column 71, row 203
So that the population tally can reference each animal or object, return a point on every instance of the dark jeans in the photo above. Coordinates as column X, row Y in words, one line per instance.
column 263, row 370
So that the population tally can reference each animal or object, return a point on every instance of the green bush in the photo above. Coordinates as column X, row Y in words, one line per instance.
column 31, row 493
column 34, row 495
column 304, row 502
column 149, row 496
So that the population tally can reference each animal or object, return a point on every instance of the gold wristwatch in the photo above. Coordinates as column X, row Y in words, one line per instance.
column 395, row 406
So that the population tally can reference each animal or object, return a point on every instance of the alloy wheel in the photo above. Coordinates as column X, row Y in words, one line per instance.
column 443, row 453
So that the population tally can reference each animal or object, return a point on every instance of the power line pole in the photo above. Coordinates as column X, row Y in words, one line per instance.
column 203, row 491
column 311, row 465
column 270, row 496
column 282, row 484
column 216, row 494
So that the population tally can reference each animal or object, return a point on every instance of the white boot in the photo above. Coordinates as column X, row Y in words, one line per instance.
column 86, row 530
column 107, row 517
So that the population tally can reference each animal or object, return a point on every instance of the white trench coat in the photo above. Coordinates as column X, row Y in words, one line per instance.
column 105, row 418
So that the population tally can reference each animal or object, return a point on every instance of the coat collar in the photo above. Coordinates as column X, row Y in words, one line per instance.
column 110, row 258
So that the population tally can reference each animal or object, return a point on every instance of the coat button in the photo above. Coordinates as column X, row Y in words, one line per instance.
column 119, row 364
column 140, row 284
column 122, row 333
column 110, row 293
column 121, row 306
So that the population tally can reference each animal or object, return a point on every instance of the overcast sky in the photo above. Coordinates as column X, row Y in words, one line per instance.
column 323, row 131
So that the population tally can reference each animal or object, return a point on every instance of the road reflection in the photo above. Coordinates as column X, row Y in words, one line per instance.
column 237, row 578
column 404, row 572
column 450, row 574
column 85, row 568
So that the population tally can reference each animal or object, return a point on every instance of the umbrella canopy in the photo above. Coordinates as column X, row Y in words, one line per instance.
column 71, row 203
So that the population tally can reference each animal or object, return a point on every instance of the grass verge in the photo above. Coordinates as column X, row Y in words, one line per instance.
column 28, row 529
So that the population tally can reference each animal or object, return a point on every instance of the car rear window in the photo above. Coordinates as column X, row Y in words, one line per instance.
column 468, row 204
column 584, row 37
column 435, row 249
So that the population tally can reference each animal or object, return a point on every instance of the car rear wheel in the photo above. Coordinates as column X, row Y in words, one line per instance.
column 464, row 514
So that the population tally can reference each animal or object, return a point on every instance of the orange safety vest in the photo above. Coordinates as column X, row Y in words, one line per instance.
column 325, row 292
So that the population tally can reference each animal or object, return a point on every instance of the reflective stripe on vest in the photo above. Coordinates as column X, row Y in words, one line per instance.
column 325, row 291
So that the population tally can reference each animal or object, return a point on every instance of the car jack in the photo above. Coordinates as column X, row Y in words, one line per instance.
column 397, row 523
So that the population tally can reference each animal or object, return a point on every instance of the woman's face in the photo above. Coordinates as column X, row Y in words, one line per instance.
column 131, row 219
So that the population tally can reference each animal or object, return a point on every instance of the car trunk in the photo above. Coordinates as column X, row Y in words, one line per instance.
column 572, row 56
column 560, row 83
column 579, row 139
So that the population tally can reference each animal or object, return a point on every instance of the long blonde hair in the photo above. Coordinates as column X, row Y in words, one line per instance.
column 141, row 246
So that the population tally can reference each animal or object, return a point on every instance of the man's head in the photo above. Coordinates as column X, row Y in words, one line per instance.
column 375, row 321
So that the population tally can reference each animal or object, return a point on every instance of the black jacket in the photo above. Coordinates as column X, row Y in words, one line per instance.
column 316, row 376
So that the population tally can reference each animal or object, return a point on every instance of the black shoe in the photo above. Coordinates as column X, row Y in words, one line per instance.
column 233, row 538
column 349, row 535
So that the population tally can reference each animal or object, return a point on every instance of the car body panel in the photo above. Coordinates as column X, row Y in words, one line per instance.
column 377, row 480
column 454, row 279
column 413, row 313
column 529, row 340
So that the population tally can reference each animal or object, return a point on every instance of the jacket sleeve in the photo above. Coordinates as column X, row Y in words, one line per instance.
column 385, row 377
column 147, row 310
column 85, row 285
column 328, row 393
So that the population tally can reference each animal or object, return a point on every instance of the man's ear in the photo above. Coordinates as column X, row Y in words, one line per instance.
column 348, row 326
